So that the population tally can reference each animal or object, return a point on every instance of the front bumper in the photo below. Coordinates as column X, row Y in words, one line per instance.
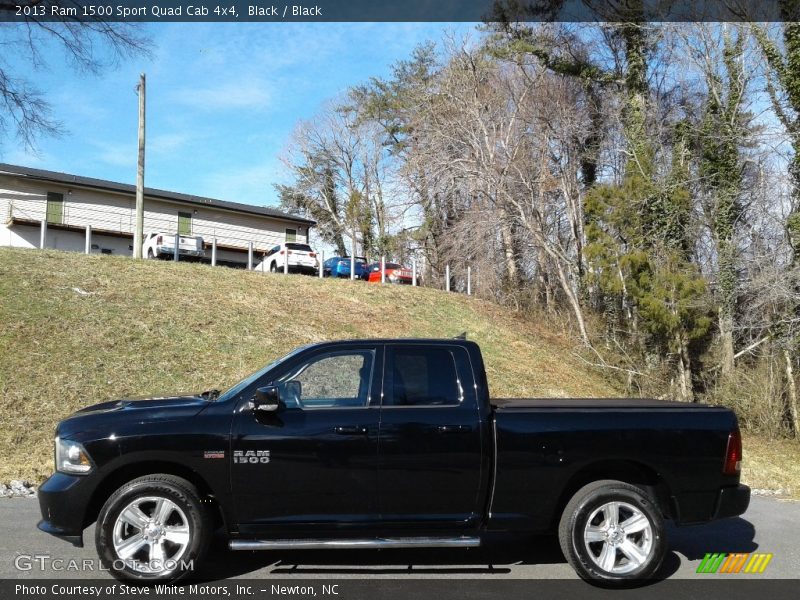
column 732, row 501
column 76, row 539
column 63, row 500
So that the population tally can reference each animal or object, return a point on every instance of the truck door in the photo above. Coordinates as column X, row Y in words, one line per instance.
column 430, row 446
column 314, row 461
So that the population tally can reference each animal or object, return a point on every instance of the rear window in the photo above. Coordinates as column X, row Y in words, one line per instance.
column 393, row 266
column 301, row 247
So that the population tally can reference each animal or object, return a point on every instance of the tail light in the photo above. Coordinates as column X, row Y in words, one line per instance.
column 281, row 252
column 158, row 240
column 733, row 454
column 312, row 255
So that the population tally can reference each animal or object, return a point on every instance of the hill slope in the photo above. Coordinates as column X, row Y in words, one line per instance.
column 82, row 329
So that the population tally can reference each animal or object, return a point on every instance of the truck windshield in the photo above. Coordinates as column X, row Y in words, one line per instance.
column 238, row 388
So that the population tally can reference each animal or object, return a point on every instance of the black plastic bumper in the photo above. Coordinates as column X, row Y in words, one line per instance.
column 63, row 500
column 76, row 539
column 732, row 501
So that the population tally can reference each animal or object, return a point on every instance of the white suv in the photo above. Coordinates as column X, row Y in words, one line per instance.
column 300, row 257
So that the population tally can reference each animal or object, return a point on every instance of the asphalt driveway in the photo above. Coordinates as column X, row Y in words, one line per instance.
column 769, row 526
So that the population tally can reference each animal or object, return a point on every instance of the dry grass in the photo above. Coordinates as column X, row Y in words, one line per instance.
column 771, row 464
column 83, row 329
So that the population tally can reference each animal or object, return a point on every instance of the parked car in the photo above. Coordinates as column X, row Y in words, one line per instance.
column 162, row 245
column 395, row 273
column 301, row 259
column 389, row 443
column 339, row 266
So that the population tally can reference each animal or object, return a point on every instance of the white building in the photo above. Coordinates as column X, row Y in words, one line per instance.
column 70, row 202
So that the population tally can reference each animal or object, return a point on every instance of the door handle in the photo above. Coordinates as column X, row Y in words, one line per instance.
column 452, row 428
column 351, row 430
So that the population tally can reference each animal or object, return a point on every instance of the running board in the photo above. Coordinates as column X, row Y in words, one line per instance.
column 323, row 544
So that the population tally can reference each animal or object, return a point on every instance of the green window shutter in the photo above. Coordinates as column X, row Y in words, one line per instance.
column 184, row 223
column 55, row 208
column 291, row 235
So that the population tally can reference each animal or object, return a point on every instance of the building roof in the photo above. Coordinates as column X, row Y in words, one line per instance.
column 102, row 184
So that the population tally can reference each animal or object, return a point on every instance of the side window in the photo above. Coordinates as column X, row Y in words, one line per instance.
column 331, row 380
column 422, row 376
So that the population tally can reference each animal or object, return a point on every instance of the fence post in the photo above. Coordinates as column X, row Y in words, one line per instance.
column 469, row 281
column 447, row 277
column 413, row 272
column 176, row 249
column 383, row 269
column 286, row 262
column 250, row 256
column 43, row 235
column 88, row 248
column 353, row 264
column 214, row 251
column 321, row 262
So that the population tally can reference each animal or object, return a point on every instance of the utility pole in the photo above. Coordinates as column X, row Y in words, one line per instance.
column 138, row 230
column 353, row 255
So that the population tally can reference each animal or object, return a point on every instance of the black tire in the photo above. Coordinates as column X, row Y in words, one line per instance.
column 585, row 555
column 150, row 253
column 273, row 267
column 141, row 493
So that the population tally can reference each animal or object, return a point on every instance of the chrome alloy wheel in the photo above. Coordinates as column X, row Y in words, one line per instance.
column 151, row 535
column 618, row 537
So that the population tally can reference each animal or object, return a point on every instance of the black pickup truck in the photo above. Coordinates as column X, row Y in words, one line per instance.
column 387, row 444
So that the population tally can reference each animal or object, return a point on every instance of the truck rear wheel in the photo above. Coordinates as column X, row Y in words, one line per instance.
column 612, row 532
column 152, row 529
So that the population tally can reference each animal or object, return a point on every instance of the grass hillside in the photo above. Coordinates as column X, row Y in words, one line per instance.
column 76, row 330
column 79, row 329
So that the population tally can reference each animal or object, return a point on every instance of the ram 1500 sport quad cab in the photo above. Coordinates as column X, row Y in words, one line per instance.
column 387, row 444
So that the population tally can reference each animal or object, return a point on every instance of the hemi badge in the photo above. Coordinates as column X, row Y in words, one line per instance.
column 214, row 454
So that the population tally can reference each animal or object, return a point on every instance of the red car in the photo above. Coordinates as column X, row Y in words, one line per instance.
column 395, row 273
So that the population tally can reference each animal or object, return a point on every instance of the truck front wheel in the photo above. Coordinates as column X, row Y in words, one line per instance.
column 612, row 532
column 152, row 529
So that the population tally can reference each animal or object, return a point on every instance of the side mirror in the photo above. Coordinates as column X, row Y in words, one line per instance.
column 266, row 399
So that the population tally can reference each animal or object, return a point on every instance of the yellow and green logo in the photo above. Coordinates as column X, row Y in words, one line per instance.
column 737, row 562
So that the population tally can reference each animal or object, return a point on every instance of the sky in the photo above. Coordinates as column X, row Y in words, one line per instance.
column 222, row 101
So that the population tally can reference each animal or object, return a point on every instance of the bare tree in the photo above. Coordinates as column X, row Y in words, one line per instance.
column 482, row 139
column 89, row 44
column 341, row 172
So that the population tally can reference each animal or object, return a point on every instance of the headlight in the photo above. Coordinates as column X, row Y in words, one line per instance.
column 71, row 457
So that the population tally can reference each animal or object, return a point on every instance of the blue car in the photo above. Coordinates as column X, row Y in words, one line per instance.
column 339, row 266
